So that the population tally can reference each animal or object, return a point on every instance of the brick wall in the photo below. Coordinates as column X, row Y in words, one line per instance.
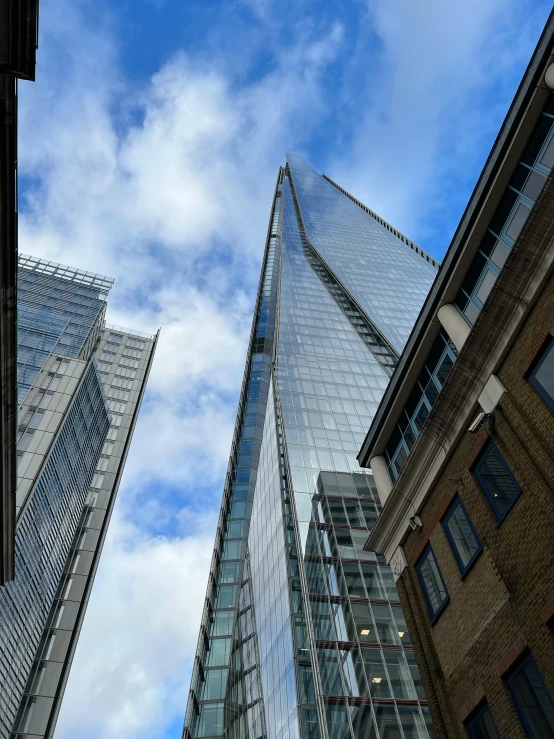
column 502, row 605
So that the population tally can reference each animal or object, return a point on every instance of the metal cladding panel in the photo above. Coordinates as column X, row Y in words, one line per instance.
column 45, row 530
column 125, row 387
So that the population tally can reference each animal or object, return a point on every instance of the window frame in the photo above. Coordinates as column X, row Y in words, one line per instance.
column 477, row 715
column 547, row 346
column 434, row 615
column 483, row 485
column 455, row 503
column 514, row 671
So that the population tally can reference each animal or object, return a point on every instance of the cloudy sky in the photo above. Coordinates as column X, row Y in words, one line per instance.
column 148, row 151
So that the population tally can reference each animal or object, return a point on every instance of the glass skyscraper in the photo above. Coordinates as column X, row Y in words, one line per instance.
column 302, row 634
column 80, row 385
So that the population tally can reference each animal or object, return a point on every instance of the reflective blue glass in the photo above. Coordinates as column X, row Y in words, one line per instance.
column 316, row 614
column 365, row 255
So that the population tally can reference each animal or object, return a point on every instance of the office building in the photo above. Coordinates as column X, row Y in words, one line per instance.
column 80, row 384
column 462, row 446
column 301, row 632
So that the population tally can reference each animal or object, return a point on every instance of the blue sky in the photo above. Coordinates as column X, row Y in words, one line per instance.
column 148, row 151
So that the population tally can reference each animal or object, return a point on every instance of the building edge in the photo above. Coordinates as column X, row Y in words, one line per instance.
column 74, row 640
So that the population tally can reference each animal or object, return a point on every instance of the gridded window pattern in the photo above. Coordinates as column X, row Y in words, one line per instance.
column 43, row 539
column 135, row 343
column 510, row 216
column 27, row 427
column 330, row 383
column 430, row 382
column 432, row 583
column 388, row 280
column 133, row 353
column 46, row 679
column 462, row 536
column 131, row 363
column 304, row 413
column 480, row 724
column 58, row 308
column 532, row 699
column 225, row 599
column 496, row 480
column 542, row 373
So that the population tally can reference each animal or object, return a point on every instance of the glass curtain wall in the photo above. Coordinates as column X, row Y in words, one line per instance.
column 227, row 639
column 302, row 633
column 357, row 675
column 58, row 307
column 44, row 533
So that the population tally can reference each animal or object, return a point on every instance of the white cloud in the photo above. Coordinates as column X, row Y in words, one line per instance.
column 167, row 187
column 434, row 90
column 135, row 651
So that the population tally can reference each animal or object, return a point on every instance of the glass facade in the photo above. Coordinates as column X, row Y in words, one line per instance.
column 79, row 388
column 44, row 689
column 45, row 528
column 510, row 216
column 302, row 633
column 59, row 308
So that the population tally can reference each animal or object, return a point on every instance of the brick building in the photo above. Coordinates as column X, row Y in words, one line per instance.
column 462, row 446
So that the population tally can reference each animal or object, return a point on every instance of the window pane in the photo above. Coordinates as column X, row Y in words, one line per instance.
column 228, row 572
column 543, row 374
column 214, row 684
column 354, row 582
column 306, row 679
column 461, row 535
column 209, row 721
column 238, row 509
column 399, row 676
column 222, row 623
column 218, row 653
column 401, row 625
column 482, row 725
column 431, row 582
column 329, row 670
column 337, row 721
column 226, row 596
column 387, row 722
column 338, row 516
column 497, row 481
column 231, row 550
column 444, row 370
column 310, row 724
column 321, row 616
column 386, row 629
column 421, row 416
column 414, row 671
column 486, row 286
column 413, row 724
column 533, row 701
column 364, row 624
column 372, row 581
column 354, row 513
column 519, row 218
column 375, row 673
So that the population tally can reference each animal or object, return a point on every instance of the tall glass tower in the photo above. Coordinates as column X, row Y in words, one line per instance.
column 302, row 634
column 80, row 386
